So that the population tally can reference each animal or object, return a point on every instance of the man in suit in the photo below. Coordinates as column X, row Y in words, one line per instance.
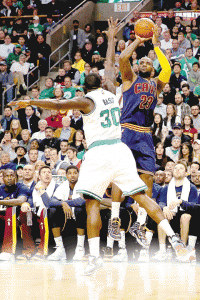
column 77, row 39
column 30, row 121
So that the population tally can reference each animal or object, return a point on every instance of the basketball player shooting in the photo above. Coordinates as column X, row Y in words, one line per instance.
column 107, row 160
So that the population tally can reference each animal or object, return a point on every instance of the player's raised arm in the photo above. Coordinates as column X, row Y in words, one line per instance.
column 110, row 78
column 81, row 103
column 165, row 73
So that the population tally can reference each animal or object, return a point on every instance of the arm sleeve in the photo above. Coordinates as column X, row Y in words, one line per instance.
column 165, row 73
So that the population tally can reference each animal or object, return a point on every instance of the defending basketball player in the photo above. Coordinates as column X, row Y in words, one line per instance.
column 139, row 100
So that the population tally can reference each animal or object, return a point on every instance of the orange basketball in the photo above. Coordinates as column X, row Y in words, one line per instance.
column 144, row 28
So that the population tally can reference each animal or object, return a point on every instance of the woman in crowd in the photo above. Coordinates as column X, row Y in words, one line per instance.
column 159, row 130
column 186, row 152
column 26, row 139
column 78, row 140
column 161, row 158
column 188, row 128
column 97, row 60
column 169, row 120
column 15, row 129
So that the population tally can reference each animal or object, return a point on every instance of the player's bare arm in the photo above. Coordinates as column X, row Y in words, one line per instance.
column 14, row 202
column 110, row 78
column 165, row 73
column 82, row 103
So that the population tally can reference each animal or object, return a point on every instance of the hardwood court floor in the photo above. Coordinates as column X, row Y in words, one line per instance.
column 54, row 280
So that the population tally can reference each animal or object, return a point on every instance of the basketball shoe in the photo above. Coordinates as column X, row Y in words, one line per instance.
column 79, row 253
column 138, row 231
column 108, row 253
column 114, row 229
column 144, row 255
column 121, row 255
column 183, row 253
column 94, row 263
column 5, row 256
column 58, row 255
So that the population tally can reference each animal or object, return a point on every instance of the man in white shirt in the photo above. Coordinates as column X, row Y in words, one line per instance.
column 166, row 43
column 40, row 135
column 196, row 117
column 6, row 48
column 160, row 107
column 163, row 26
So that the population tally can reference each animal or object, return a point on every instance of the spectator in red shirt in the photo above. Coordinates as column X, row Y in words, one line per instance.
column 55, row 120
column 188, row 128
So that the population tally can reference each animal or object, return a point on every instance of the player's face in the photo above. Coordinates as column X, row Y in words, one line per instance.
column 72, row 175
column 145, row 67
column 9, row 177
column 45, row 175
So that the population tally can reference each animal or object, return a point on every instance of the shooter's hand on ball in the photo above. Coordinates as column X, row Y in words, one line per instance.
column 155, row 37
column 142, row 40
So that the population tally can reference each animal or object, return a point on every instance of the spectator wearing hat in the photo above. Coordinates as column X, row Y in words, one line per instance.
column 188, row 96
column 49, row 24
column 19, row 173
column 14, row 56
column 79, row 62
column 97, row 60
column 6, row 80
column 160, row 107
column 87, row 51
column 73, row 73
column 131, row 38
column 36, row 26
column 176, row 78
column 20, row 159
column 173, row 151
column 177, row 131
column 182, row 109
column 77, row 39
column 6, row 48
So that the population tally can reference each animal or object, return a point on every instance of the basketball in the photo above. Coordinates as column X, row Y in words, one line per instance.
column 144, row 28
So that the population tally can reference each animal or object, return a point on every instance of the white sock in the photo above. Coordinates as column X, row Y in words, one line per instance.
column 94, row 246
column 110, row 242
column 162, row 247
column 149, row 236
column 142, row 216
column 192, row 240
column 80, row 241
column 115, row 210
column 122, row 243
column 164, row 224
column 59, row 242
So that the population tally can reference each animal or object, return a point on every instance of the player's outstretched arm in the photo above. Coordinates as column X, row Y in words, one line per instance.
column 81, row 103
column 110, row 78
column 165, row 73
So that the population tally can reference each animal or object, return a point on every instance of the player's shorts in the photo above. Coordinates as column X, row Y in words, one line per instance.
column 139, row 140
column 108, row 163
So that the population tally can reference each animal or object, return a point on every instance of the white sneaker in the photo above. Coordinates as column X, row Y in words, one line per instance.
column 144, row 255
column 94, row 263
column 121, row 256
column 161, row 256
column 59, row 254
column 79, row 253
column 190, row 257
column 4, row 256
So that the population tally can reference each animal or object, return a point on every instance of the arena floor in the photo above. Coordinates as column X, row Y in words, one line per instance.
column 54, row 280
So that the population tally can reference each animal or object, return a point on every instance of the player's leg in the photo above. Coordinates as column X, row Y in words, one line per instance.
column 81, row 216
column 184, row 227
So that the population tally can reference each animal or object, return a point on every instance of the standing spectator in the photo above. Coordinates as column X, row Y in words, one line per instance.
column 69, row 90
column 54, row 120
column 6, row 79
column 182, row 109
column 49, row 88
column 195, row 117
column 36, row 26
column 88, row 34
column 77, row 39
column 188, row 128
column 8, row 117
column 30, row 121
column 43, row 51
column 73, row 73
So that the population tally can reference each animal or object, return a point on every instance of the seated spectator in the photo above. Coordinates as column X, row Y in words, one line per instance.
column 36, row 26
column 159, row 131
column 193, row 75
column 6, row 141
column 182, row 108
column 168, row 94
column 178, row 6
column 35, row 90
column 8, row 9
column 194, row 168
column 28, row 175
column 42, row 54
column 30, row 121
column 69, row 90
column 97, row 60
column 160, row 23
column 14, row 144
column 8, row 117
column 40, row 135
column 49, row 88
column 73, row 73
column 20, row 159
column 130, row 40
column 19, row 28
column 195, row 28
column 55, row 163
column 178, row 23
column 153, row 57
column 66, row 132
column 196, row 150
column 170, row 118
column 20, row 173
column 58, row 93
column 196, row 49
column 176, row 50
column 32, row 156
column 159, row 178
column 87, row 68
column 194, row 5
column 14, row 56
column 101, row 46
column 78, row 140
column 186, row 153
column 188, row 128
column 19, row 70
column 34, row 145
column 46, row 157
column 189, row 35
column 6, row 80
column 79, row 62
column 166, row 43
column 161, row 158
column 49, row 24
column 87, row 52
column 188, row 96
column 50, row 140
column 59, row 80
column 54, row 120
column 72, row 157
column 88, row 35
column 62, row 155
column 176, row 78
column 168, row 177
column 189, row 58
column 26, row 139
column 15, row 129
column 195, row 117
column 183, row 42
column 5, row 161
column 76, row 120
column 22, row 42
column 6, row 48
column 178, row 132
column 173, row 151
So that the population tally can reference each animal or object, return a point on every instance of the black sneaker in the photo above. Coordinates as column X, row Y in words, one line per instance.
column 114, row 229
column 108, row 253
column 94, row 263
column 183, row 253
column 138, row 231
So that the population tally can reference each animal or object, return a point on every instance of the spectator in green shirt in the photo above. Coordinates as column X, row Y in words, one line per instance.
column 13, row 57
column 190, row 59
column 69, row 90
column 48, row 92
column 36, row 26
column 189, row 35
